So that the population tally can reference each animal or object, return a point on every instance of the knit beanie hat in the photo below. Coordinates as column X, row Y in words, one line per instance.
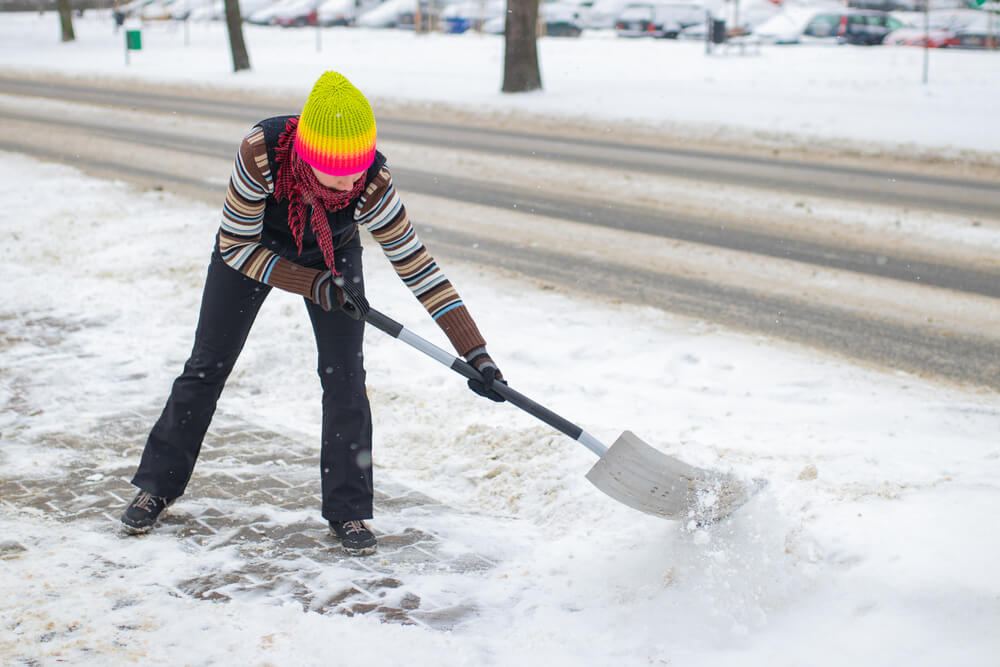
column 336, row 132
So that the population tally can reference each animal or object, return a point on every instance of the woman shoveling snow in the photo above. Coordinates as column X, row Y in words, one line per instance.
column 300, row 188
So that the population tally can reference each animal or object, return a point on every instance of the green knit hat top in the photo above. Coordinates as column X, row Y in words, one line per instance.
column 336, row 132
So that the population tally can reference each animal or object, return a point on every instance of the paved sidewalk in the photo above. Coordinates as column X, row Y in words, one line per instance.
column 256, row 491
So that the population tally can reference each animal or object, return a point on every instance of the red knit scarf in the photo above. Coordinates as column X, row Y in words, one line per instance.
column 297, row 183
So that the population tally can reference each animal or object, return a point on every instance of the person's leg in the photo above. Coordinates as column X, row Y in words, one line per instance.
column 230, row 303
column 346, row 452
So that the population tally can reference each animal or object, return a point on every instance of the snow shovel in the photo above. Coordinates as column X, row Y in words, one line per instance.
column 630, row 471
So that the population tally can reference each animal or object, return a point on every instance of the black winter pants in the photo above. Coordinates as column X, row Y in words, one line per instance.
column 229, row 306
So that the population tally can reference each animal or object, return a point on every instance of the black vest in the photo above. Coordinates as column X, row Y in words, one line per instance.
column 277, row 236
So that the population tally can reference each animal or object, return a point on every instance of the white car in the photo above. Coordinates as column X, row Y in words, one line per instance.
column 265, row 15
column 602, row 14
column 944, row 27
column 658, row 19
column 384, row 15
column 216, row 10
column 788, row 26
column 562, row 19
column 344, row 12
column 471, row 14
column 834, row 26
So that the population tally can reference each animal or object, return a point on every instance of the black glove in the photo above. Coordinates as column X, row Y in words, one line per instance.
column 330, row 289
column 482, row 362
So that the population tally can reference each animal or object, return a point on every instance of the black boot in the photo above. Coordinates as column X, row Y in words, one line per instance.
column 356, row 536
column 142, row 513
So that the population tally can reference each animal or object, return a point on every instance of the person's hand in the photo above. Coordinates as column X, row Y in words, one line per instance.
column 481, row 361
column 330, row 289
column 350, row 299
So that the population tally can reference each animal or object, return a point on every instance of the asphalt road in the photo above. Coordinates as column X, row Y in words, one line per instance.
column 931, row 307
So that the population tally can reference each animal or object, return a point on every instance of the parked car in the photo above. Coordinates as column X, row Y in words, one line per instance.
column 977, row 38
column 786, row 26
column 907, row 5
column 471, row 15
column 264, row 15
column 558, row 28
column 342, row 12
column 658, row 19
column 383, row 15
column 886, row 5
column 295, row 14
column 862, row 27
column 562, row 19
column 935, row 38
column 751, row 14
column 603, row 14
column 213, row 11
column 431, row 14
column 163, row 10
column 248, row 7
column 945, row 28
column 216, row 10
column 838, row 25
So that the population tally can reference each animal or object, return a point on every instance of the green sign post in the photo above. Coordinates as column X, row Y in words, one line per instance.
column 133, row 42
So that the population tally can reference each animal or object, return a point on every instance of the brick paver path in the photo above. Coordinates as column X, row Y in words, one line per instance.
column 257, row 491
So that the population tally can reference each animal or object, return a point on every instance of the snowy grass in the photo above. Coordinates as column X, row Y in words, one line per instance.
column 866, row 99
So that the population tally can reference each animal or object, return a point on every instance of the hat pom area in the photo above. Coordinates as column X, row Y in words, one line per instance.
column 336, row 133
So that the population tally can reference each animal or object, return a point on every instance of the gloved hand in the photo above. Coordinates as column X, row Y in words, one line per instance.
column 481, row 361
column 330, row 289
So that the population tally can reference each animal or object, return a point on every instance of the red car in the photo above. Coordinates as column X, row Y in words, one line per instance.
column 296, row 14
column 945, row 28
column 934, row 38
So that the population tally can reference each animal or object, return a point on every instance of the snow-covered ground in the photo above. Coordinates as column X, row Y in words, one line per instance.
column 874, row 544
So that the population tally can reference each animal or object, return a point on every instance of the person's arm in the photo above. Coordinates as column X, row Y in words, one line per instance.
column 384, row 215
column 238, row 240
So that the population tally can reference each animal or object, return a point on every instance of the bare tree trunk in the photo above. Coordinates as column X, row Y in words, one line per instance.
column 520, row 63
column 66, row 20
column 234, row 22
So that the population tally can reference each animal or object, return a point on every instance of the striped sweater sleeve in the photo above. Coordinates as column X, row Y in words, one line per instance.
column 239, row 235
column 384, row 215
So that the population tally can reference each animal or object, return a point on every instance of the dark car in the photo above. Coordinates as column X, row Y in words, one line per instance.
column 430, row 17
column 296, row 19
column 562, row 29
column 852, row 27
column 976, row 40
column 658, row 19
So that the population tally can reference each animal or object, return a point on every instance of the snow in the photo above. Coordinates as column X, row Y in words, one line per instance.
column 866, row 99
column 874, row 543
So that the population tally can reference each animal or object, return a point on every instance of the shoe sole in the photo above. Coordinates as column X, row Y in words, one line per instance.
column 361, row 551
column 135, row 530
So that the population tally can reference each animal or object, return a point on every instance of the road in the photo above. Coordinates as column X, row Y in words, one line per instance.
column 880, row 260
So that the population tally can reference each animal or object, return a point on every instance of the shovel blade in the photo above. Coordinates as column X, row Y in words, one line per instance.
column 634, row 473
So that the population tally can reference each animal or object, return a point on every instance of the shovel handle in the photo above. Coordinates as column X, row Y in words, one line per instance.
column 465, row 369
